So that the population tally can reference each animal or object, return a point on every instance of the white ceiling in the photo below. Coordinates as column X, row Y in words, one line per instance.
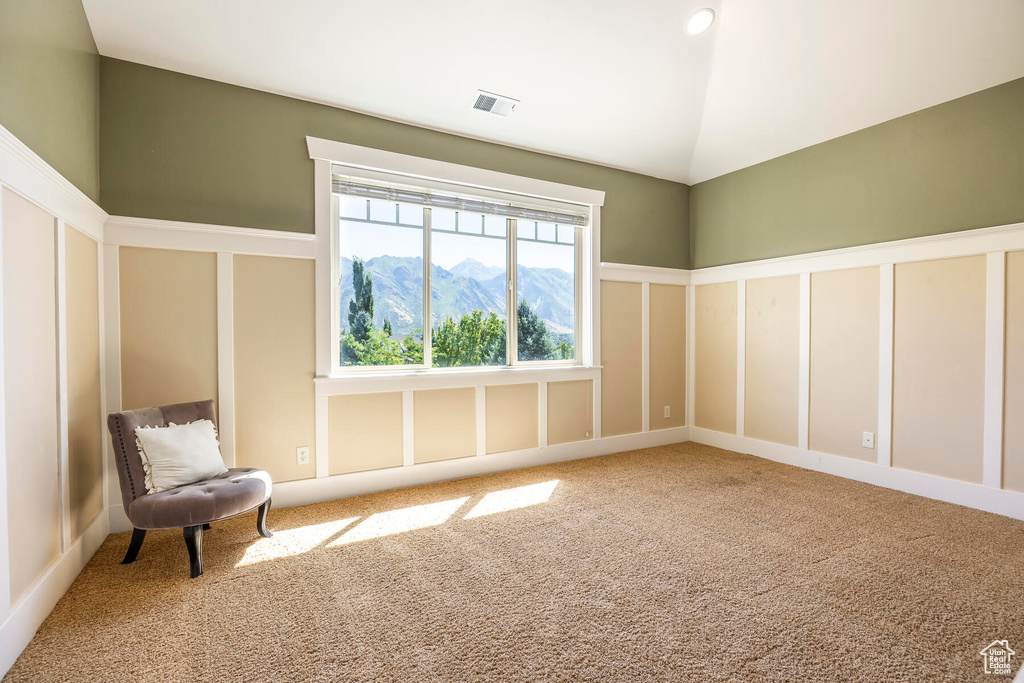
column 616, row 82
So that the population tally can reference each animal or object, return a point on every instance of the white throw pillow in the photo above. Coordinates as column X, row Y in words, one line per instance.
column 179, row 454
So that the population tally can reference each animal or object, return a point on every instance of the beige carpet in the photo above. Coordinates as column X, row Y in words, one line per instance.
column 675, row 563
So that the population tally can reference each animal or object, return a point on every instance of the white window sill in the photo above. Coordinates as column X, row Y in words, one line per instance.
column 432, row 378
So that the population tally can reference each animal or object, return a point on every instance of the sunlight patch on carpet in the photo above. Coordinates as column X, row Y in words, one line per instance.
column 291, row 542
column 513, row 499
column 295, row 541
column 400, row 521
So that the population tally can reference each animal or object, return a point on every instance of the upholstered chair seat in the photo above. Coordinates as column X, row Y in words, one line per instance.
column 239, row 490
column 192, row 507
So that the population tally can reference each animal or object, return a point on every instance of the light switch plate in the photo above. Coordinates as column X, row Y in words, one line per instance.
column 868, row 440
column 302, row 455
column 668, row 412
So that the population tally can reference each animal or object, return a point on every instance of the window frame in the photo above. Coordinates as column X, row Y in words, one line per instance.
column 379, row 165
column 511, row 297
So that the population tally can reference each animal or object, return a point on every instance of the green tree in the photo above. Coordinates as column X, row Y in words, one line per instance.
column 360, row 317
column 534, row 341
column 379, row 349
column 360, row 308
column 413, row 349
column 474, row 340
column 387, row 328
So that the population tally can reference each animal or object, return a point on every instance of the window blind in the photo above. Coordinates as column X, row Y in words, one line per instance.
column 406, row 196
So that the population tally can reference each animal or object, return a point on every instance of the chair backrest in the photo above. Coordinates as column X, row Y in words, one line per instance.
column 122, row 428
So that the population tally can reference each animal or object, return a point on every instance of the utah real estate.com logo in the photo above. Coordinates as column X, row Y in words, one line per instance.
column 997, row 657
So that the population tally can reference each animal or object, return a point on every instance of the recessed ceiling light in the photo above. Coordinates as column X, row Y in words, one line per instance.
column 700, row 21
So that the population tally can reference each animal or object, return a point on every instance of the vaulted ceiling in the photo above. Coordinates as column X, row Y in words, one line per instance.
column 615, row 82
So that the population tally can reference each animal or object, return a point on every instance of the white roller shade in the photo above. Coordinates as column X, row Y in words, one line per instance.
column 346, row 186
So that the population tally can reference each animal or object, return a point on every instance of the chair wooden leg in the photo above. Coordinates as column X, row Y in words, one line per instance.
column 133, row 548
column 261, row 520
column 194, row 543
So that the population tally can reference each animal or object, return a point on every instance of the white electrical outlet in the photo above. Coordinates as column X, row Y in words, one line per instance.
column 868, row 440
column 668, row 412
column 302, row 455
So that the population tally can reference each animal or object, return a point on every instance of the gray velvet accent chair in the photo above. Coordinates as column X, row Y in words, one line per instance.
column 192, row 507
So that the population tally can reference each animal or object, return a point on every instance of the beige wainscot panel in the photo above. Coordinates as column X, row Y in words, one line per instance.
column 715, row 357
column 275, row 363
column 511, row 417
column 1013, row 449
column 570, row 411
column 621, row 358
column 668, row 356
column 365, row 432
column 30, row 391
column 939, row 367
column 85, row 464
column 168, row 326
column 844, row 361
column 772, row 366
column 444, row 424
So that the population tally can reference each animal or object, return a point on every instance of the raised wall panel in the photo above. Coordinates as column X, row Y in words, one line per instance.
column 667, row 356
column 570, row 411
column 772, row 388
column 939, row 367
column 30, row 391
column 715, row 357
column 85, row 462
column 844, row 361
column 511, row 417
column 1013, row 410
column 274, row 352
column 168, row 303
column 621, row 358
column 365, row 431
column 444, row 424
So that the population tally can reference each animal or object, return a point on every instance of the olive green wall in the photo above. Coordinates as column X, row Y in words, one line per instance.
column 955, row 166
column 184, row 148
column 49, row 86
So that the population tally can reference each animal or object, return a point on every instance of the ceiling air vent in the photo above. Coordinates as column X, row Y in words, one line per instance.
column 494, row 104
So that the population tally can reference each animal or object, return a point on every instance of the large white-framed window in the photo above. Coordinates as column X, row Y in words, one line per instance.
column 426, row 267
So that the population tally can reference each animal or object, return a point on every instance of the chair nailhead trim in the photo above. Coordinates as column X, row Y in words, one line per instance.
column 124, row 456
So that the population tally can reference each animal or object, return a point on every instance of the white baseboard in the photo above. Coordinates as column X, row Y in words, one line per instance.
column 998, row 501
column 305, row 491
column 318, row 490
column 30, row 612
